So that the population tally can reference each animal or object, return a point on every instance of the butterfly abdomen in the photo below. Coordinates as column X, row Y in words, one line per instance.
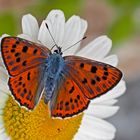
column 55, row 64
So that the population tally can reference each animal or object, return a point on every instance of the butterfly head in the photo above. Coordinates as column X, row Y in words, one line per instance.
column 58, row 50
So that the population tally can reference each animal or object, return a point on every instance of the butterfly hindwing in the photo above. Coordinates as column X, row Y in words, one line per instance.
column 28, row 86
column 82, row 80
column 19, row 54
column 70, row 99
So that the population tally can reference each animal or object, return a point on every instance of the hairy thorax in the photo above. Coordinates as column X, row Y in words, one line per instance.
column 53, row 73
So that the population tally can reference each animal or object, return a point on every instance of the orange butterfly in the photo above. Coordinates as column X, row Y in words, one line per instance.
column 69, row 82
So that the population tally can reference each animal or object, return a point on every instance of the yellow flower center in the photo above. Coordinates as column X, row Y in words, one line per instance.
column 21, row 124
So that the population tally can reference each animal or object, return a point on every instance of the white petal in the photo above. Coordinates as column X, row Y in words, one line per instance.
column 3, row 74
column 84, row 25
column 44, row 36
column 112, row 94
column 1, row 125
column 109, row 102
column 3, row 84
column 80, row 136
column 95, row 128
column 3, row 135
column 74, row 31
column 27, row 37
column 111, row 59
column 3, row 79
column 1, row 121
column 101, row 111
column 1, row 112
column 57, row 20
column 4, row 87
column 97, row 49
column 3, row 98
column 30, row 26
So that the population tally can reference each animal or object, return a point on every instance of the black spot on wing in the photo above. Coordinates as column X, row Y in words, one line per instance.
column 93, row 69
column 82, row 65
column 25, row 49
column 71, row 90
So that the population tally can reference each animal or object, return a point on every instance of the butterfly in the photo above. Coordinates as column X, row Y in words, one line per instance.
column 66, row 83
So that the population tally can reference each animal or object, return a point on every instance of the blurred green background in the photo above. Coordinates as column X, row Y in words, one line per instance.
column 13, row 10
column 119, row 19
column 123, row 24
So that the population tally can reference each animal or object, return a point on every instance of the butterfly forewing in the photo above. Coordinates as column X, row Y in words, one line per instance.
column 25, row 63
column 95, row 78
column 20, row 55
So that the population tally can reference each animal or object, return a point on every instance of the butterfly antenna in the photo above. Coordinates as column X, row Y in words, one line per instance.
column 74, row 44
column 55, row 44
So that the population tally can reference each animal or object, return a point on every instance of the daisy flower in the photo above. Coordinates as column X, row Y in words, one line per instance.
column 17, row 123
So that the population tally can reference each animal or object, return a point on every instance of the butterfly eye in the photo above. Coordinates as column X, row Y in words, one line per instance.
column 56, row 51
